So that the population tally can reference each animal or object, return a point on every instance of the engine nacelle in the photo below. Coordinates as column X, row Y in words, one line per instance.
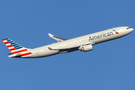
column 86, row 48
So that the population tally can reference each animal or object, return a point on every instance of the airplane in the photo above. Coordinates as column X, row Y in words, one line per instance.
column 84, row 43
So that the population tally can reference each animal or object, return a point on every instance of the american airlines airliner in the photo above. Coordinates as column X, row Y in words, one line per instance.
column 84, row 43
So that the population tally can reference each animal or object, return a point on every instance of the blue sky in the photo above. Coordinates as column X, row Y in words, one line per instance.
column 110, row 66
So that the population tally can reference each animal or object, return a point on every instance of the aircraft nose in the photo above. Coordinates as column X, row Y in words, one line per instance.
column 131, row 29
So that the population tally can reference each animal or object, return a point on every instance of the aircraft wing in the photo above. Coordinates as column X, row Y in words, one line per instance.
column 72, row 47
column 59, row 39
column 64, row 49
column 15, row 55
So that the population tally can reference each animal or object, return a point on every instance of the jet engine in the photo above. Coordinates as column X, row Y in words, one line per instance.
column 86, row 48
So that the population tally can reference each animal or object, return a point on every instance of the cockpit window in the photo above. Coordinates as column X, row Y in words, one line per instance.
column 128, row 27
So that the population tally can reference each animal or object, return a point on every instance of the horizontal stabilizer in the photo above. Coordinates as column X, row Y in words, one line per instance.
column 15, row 55
column 9, row 53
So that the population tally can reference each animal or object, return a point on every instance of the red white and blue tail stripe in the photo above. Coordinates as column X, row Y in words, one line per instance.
column 16, row 49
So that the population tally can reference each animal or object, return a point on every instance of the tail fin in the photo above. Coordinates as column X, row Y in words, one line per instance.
column 14, row 47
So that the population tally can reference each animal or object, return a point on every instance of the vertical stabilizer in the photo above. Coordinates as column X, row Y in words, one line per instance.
column 16, row 48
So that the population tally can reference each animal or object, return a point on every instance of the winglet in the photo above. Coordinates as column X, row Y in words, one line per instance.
column 59, row 39
column 50, row 35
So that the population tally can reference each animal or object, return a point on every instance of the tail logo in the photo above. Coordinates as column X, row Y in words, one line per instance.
column 16, row 48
